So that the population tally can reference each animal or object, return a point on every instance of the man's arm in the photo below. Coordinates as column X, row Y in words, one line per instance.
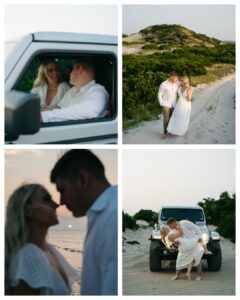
column 160, row 93
column 89, row 109
column 108, row 257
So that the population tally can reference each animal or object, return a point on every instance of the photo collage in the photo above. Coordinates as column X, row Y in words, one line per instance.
column 120, row 151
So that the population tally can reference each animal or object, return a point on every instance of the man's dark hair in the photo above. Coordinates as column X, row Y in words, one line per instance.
column 73, row 161
column 171, row 220
column 174, row 73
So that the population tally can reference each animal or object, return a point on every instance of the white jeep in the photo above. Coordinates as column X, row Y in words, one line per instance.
column 22, row 109
column 159, row 250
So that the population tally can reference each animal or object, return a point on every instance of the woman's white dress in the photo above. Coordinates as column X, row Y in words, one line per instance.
column 63, row 87
column 189, row 250
column 180, row 118
column 31, row 265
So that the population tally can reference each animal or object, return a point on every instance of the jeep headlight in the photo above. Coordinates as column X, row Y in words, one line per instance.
column 205, row 238
column 156, row 235
column 215, row 236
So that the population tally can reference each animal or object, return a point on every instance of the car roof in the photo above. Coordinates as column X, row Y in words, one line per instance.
column 181, row 206
column 64, row 37
column 73, row 37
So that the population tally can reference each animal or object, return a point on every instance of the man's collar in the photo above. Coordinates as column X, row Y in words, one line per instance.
column 86, row 86
column 102, row 201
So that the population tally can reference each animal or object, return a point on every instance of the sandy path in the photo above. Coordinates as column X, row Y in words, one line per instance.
column 212, row 119
column 138, row 280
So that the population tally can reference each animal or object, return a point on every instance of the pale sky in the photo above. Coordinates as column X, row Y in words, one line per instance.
column 152, row 178
column 213, row 20
column 97, row 19
column 36, row 165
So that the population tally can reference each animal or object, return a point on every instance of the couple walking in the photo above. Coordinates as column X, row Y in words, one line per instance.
column 187, row 237
column 35, row 267
column 176, row 113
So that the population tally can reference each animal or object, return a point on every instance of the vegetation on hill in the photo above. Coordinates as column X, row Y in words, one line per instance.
column 182, row 50
column 169, row 36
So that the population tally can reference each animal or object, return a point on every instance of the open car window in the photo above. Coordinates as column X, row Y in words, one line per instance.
column 105, row 74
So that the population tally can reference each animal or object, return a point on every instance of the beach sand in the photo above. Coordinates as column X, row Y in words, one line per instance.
column 212, row 119
column 138, row 280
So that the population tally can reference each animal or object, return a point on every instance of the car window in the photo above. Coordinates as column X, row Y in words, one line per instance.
column 193, row 215
column 105, row 75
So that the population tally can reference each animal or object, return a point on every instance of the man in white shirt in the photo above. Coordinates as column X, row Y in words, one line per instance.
column 167, row 96
column 80, row 179
column 189, row 230
column 85, row 100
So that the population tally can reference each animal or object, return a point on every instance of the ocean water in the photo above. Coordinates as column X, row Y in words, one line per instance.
column 70, row 245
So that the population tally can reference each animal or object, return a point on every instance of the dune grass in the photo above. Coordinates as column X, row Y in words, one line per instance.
column 214, row 73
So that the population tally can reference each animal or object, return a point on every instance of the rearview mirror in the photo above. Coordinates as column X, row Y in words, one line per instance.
column 22, row 114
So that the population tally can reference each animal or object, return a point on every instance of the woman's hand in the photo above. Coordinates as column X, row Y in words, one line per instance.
column 189, row 94
column 55, row 106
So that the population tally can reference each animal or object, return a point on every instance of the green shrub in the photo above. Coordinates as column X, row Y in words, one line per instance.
column 221, row 213
column 128, row 222
column 146, row 215
column 143, row 74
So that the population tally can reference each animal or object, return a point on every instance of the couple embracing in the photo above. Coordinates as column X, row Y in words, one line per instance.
column 35, row 267
column 175, row 99
column 187, row 237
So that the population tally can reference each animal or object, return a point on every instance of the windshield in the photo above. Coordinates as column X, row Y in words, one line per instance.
column 194, row 215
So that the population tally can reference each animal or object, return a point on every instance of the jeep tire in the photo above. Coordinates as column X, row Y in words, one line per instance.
column 154, row 259
column 215, row 260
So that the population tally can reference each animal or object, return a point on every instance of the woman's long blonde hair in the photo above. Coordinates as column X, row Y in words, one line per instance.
column 186, row 78
column 42, row 76
column 17, row 224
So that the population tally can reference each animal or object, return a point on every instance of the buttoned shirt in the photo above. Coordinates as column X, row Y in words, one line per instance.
column 190, row 229
column 167, row 93
column 90, row 102
column 99, row 270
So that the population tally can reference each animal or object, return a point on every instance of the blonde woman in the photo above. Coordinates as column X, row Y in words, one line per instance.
column 33, row 266
column 179, row 122
column 190, row 251
column 47, row 85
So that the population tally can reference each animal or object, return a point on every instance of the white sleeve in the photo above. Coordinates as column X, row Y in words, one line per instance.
column 64, row 87
column 160, row 93
column 29, row 266
column 92, row 108
column 178, row 91
column 108, row 257
column 39, row 90
column 35, row 90
column 192, row 226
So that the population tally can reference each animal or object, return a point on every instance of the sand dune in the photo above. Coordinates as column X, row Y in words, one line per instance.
column 212, row 119
column 138, row 280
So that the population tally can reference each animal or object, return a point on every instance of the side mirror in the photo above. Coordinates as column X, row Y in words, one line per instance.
column 22, row 114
